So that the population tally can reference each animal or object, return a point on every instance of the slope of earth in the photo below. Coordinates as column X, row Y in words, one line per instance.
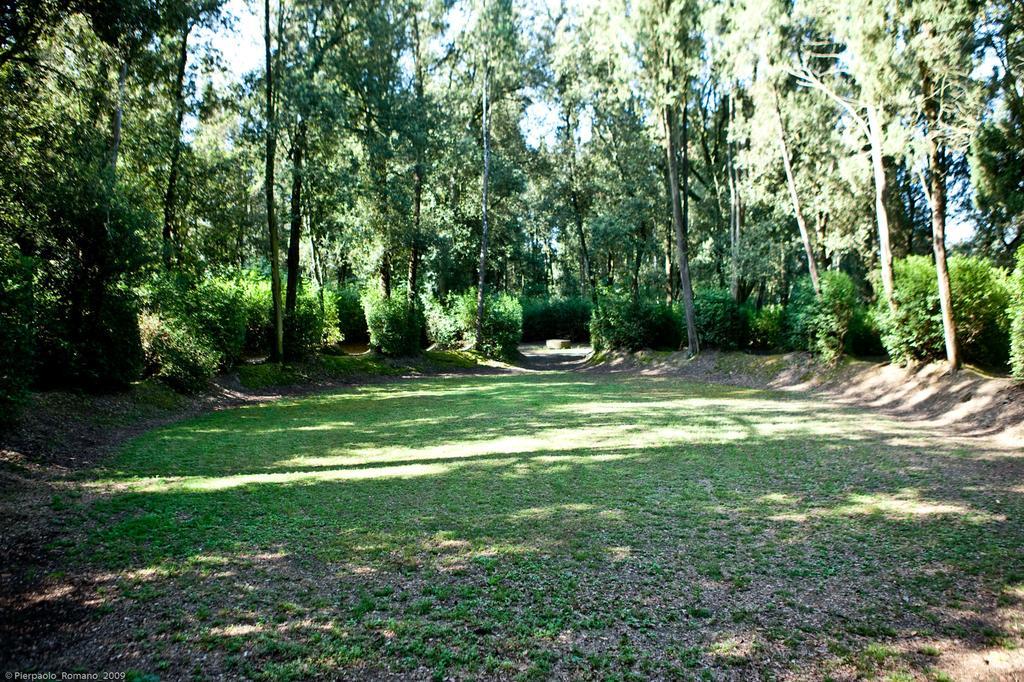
column 971, row 402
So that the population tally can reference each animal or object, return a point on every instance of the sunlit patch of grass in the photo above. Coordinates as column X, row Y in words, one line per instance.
column 545, row 525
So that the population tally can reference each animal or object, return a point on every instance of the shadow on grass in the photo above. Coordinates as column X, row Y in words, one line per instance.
column 499, row 525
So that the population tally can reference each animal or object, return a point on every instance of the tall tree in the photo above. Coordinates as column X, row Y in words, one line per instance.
column 268, row 179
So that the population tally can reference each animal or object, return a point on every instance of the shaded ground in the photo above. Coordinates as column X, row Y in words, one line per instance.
column 534, row 526
column 538, row 357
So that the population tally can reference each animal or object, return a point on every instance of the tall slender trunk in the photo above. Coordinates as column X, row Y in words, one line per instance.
column 937, row 202
column 295, row 234
column 734, row 208
column 419, row 171
column 271, row 152
column 577, row 211
column 791, row 181
column 171, row 195
column 414, row 252
column 680, row 221
column 669, row 279
column 875, row 132
column 481, row 282
column 116, row 118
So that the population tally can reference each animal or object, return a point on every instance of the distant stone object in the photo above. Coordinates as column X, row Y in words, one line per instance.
column 558, row 344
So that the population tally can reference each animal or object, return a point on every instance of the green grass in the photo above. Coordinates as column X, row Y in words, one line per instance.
column 549, row 525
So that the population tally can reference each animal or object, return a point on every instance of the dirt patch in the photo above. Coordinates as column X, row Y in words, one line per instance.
column 969, row 403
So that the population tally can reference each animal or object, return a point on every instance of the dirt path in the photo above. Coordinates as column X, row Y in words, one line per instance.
column 537, row 357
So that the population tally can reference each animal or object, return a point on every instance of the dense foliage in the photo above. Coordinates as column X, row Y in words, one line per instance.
column 621, row 323
column 720, row 321
column 913, row 332
column 1016, row 313
column 395, row 324
column 144, row 172
column 556, row 318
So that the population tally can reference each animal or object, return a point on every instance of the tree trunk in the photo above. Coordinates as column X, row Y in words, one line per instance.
column 680, row 222
column 295, row 235
column 734, row 209
column 414, row 253
column 171, row 195
column 791, row 181
column 875, row 132
column 481, row 282
column 116, row 118
column 937, row 202
column 586, row 277
column 275, row 266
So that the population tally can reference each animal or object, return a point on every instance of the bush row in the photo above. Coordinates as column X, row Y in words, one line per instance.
column 191, row 329
column 556, row 318
column 988, row 309
column 452, row 323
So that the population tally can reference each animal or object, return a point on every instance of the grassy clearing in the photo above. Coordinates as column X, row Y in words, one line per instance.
column 547, row 525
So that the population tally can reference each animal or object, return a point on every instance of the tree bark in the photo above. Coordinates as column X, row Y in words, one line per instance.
column 577, row 210
column 271, row 152
column 171, row 195
column 937, row 203
column 116, row 118
column 791, row 182
column 881, row 198
column 680, row 222
column 295, row 234
column 414, row 252
column 734, row 208
column 481, row 282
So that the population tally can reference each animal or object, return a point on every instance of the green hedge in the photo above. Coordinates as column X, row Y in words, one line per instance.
column 351, row 317
column 395, row 325
column 556, row 318
column 17, row 336
column 620, row 323
column 177, row 355
column 1016, row 314
column 767, row 327
column 452, row 323
column 833, row 310
column 981, row 296
column 721, row 323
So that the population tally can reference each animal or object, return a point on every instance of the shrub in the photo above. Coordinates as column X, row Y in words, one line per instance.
column 833, row 310
column 215, row 308
column 258, row 308
column 864, row 337
column 502, row 324
column 798, row 317
column 211, row 309
column 351, row 318
column 980, row 297
column 1016, row 313
column 562, row 318
column 767, row 327
column 395, row 325
column 17, row 338
column 108, row 353
column 444, row 328
column 720, row 321
column 313, row 324
column 175, row 354
column 620, row 323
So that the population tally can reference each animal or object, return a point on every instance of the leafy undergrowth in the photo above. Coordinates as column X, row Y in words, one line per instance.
column 539, row 526
column 340, row 367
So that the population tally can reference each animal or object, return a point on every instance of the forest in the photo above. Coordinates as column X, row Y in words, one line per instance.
column 512, row 339
column 764, row 175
